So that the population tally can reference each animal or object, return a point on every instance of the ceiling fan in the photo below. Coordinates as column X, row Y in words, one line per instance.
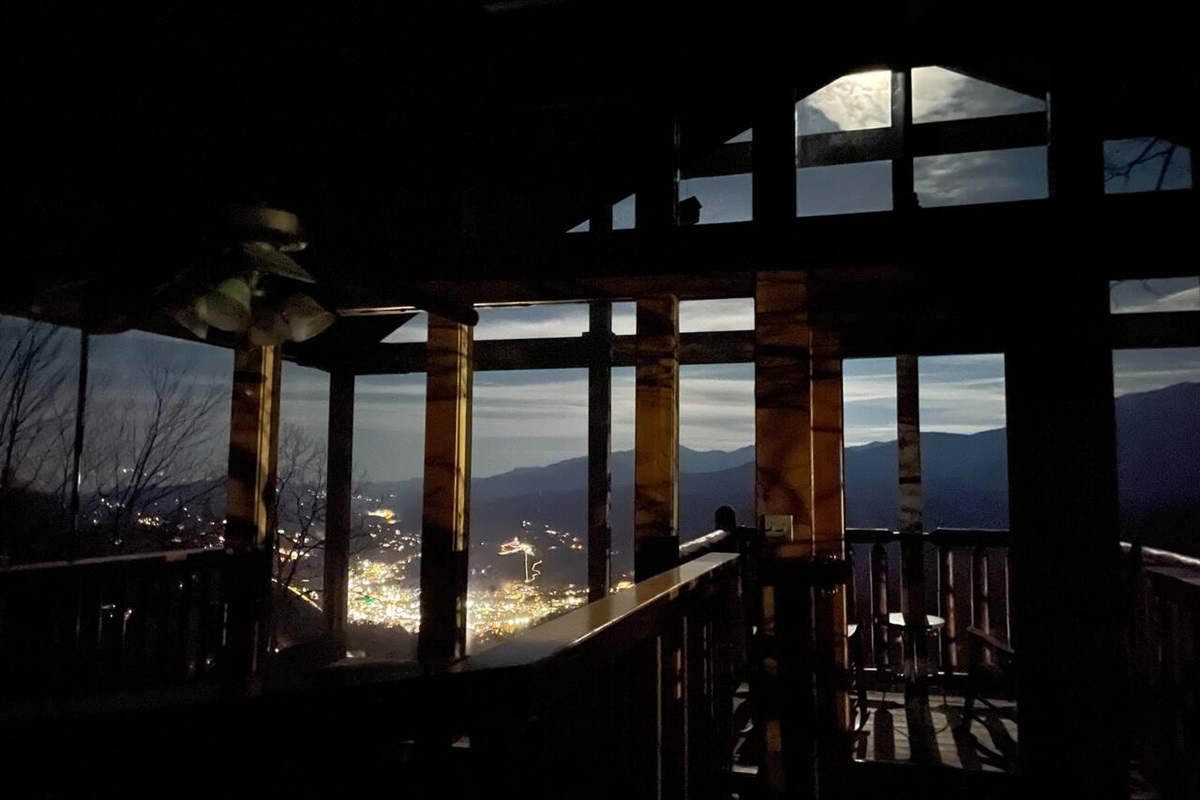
column 253, row 288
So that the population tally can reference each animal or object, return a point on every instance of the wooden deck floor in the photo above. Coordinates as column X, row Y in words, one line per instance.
column 930, row 732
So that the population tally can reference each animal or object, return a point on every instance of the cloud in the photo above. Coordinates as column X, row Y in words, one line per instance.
column 1156, row 295
column 983, row 177
column 939, row 94
column 1147, row 370
column 731, row 314
column 852, row 102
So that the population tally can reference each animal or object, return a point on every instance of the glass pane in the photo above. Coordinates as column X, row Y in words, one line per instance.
column 993, row 176
column 844, row 189
column 39, row 368
column 745, row 136
column 1158, row 447
column 716, row 445
column 582, row 227
column 385, row 541
column 725, row 314
column 723, row 198
column 624, row 319
column 940, row 94
column 1146, row 165
column 528, row 500
column 869, row 417
column 415, row 330
column 964, row 450
column 852, row 102
column 623, row 213
column 532, row 322
column 157, row 444
column 1154, row 295
column 300, row 494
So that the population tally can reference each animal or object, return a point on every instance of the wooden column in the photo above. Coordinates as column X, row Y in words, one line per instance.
column 1067, row 601
column 656, row 438
column 782, row 413
column 445, row 519
column 250, row 523
column 253, row 448
column 338, row 517
column 829, row 539
column 783, row 486
column 908, row 437
column 600, row 450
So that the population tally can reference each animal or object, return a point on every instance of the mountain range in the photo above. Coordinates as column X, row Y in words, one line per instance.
column 965, row 484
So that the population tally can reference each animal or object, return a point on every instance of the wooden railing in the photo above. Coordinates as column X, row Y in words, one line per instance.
column 630, row 696
column 1164, row 660
column 125, row 622
column 966, row 579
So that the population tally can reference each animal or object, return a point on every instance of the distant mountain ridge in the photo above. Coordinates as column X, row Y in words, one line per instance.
column 965, row 485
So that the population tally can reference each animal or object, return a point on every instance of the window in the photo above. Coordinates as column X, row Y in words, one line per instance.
column 1157, row 392
column 384, row 607
column 157, row 445
column 39, row 365
column 528, row 559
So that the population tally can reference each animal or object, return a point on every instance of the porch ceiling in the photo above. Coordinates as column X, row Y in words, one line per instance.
column 380, row 127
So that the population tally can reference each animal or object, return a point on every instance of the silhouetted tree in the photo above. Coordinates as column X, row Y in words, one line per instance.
column 150, row 454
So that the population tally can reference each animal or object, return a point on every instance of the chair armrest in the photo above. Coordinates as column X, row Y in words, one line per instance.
column 988, row 640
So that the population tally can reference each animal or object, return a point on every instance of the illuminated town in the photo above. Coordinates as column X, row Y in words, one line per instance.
column 385, row 584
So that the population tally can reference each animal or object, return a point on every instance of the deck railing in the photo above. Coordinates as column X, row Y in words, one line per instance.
column 1164, row 649
column 117, row 623
column 966, row 580
column 630, row 696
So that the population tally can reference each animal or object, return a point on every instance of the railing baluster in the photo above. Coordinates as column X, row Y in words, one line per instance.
column 949, row 630
column 980, row 599
column 879, row 605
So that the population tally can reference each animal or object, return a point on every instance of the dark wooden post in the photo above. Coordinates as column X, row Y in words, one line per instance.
column 1067, row 601
column 445, row 522
column 656, row 438
column 250, row 523
column 338, row 516
column 600, row 449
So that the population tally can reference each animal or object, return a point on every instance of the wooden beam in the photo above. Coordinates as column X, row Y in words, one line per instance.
column 339, row 478
column 1162, row 329
column 445, row 520
column 656, row 437
column 599, row 451
column 782, row 414
column 925, row 139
